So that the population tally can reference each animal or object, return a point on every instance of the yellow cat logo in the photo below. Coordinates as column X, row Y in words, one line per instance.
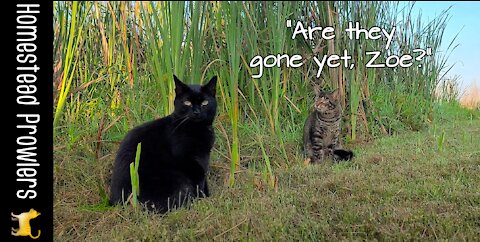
column 24, row 224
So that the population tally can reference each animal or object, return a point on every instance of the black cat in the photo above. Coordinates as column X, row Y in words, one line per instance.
column 175, row 152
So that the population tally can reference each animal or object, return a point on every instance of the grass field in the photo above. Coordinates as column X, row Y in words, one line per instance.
column 415, row 175
column 410, row 186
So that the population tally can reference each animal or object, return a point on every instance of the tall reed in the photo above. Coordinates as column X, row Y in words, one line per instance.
column 125, row 54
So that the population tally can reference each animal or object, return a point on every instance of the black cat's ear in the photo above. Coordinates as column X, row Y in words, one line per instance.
column 210, row 87
column 180, row 87
column 335, row 94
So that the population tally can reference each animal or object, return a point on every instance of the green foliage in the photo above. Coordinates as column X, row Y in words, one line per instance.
column 398, row 188
column 135, row 179
column 441, row 140
column 115, row 60
column 114, row 63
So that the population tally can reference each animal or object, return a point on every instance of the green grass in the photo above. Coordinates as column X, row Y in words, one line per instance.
column 114, row 63
column 397, row 188
column 135, row 180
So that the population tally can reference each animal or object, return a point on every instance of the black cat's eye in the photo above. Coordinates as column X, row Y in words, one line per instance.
column 187, row 103
column 205, row 102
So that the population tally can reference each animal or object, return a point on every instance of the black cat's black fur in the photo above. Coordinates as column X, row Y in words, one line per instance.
column 175, row 152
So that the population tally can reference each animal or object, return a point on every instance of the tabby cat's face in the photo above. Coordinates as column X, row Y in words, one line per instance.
column 327, row 103
column 194, row 102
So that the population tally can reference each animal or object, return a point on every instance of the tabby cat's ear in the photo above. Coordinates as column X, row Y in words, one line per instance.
column 210, row 87
column 335, row 94
column 180, row 87
column 317, row 90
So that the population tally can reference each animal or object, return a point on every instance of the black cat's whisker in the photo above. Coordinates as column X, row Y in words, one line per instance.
column 181, row 122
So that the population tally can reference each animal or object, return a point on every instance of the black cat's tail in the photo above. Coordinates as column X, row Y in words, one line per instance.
column 342, row 154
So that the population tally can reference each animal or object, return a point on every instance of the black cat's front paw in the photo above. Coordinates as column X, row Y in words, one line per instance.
column 206, row 191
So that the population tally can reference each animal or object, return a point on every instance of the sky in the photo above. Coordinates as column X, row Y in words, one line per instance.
column 466, row 56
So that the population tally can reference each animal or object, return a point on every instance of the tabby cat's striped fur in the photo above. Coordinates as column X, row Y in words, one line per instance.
column 322, row 129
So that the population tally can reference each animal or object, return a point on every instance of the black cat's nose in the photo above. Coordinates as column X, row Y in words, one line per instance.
column 196, row 111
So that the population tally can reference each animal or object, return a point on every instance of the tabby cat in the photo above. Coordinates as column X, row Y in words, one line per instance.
column 175, row 152
column 322, row 129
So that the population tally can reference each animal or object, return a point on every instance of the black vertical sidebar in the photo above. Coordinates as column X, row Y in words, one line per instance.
column 28, row 136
